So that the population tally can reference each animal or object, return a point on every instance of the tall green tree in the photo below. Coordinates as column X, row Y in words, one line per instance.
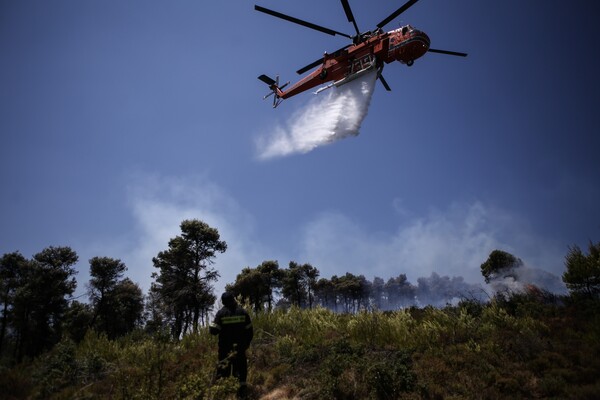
column 499, row 263
column 293, row 288
column 353, row 291
column 310, row 276
column 77, row 320
column 272, row 278
column 325, row 293
column 298, row 284
column 105, row 274
column 399, row 292
column 12, row 266
column 378, row 292
column 185, row 275
column 582, row 275
column 48, row 282
column 258, row 285
column 118, row 303
column 251, row 286
column 155, row 311
column 127, row 308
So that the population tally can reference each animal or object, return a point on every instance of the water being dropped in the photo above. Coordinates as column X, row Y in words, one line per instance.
column 333, row 115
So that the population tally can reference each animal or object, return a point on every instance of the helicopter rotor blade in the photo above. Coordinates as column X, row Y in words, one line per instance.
column 318, row 62
column 300, row 22
column 399, row 11
column 384, row 83
column 450, row 53
column 349, row 15
column 269, row 81
column 310, row 66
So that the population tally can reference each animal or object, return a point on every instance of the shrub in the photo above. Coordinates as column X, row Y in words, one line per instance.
column 390, row 374
column 56, row 369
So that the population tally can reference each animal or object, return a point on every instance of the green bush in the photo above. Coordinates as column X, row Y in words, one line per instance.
column 56, row 370
column 389, row 374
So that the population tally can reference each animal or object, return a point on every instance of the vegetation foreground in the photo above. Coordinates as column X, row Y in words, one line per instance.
column 532, row 345
column 523, row 343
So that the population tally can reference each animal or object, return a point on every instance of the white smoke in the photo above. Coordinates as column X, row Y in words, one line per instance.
column 518, row 278
column 333, row 115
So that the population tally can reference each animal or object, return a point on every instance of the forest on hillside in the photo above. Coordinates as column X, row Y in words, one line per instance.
column 341, row 337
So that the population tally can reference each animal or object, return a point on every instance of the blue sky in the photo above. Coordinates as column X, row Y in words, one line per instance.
column 119, row 119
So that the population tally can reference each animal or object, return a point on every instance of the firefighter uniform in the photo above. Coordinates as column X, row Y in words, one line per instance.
column 234, row 327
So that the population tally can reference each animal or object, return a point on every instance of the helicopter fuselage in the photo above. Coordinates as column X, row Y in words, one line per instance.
column 405, row 45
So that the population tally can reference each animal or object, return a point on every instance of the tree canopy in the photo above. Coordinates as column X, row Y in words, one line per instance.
column 499, row 262
column 118, row 303
column 258, row 285
column 41, row 300
column 183, row 283
column 38, row 308
column 582, row 275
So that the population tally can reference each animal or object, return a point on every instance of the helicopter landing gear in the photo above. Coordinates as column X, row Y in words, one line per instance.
column 410, row 63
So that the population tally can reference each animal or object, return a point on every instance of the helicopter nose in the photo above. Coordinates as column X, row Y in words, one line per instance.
column 415, row 46
column 421, row 41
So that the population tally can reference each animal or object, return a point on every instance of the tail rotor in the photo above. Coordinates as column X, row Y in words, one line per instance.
column 276, row 90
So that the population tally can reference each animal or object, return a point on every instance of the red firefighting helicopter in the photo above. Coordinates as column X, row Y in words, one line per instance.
column 368, row 51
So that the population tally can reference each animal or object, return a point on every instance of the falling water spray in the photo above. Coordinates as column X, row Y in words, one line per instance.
column 332, row 115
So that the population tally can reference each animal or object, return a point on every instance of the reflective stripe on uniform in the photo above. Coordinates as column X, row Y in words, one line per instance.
column 234, row 319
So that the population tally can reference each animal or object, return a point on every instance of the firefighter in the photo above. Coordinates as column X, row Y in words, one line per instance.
column 234, row 327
